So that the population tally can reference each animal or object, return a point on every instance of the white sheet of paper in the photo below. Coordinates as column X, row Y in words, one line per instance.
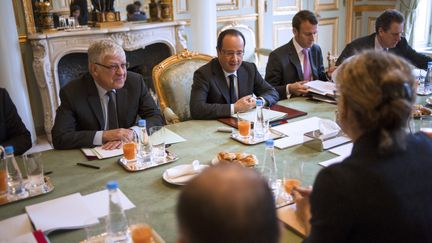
column 68, row 212
column 268, row 115
column 321, row 87
column 98, row 202
column 16, row 229
column 295, row 131
column 342, row 150
column 103, row 153
column 172, row 137
column 333, row 161
column 287, row 142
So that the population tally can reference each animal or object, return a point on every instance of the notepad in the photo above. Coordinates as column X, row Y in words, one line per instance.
column 68, row 212
column 268, row 114
column 321, row 87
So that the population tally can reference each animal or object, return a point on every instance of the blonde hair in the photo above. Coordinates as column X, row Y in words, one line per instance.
column 99, row 49
column 378, row 87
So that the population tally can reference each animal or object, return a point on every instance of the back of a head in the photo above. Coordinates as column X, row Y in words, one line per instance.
column 378, row 87
column 99, row 49
column 229, row 204
column 304, row 15
column 131, row 8
column 388, row 17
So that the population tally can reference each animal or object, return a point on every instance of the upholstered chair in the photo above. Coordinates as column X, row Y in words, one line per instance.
column 259, row 56
column 173, row 79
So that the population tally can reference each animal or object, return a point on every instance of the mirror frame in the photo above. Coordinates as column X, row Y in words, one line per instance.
column 28, row 16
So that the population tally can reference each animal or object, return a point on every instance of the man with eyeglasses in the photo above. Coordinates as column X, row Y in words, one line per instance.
column 388, row 36
column 290, row 66
column 226, row 84
column 102, row 107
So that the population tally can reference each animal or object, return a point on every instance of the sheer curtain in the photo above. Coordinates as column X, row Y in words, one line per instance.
column 408, row 9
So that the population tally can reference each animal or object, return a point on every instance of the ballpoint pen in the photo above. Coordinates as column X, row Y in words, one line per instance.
column 88, row 165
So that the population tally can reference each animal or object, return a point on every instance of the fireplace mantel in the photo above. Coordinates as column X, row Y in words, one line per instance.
column 49, row 48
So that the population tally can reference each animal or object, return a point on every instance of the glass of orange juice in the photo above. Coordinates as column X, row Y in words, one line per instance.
column 244, row 127
column 130, row 147
column 293, row 173
column 139, row 227
column 426, row 125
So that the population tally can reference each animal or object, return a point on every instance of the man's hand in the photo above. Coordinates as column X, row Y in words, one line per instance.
column 298, row 88
column 245, row 104
column 112, row 145
column 330, row 70
column 117, row 135
column 301, row 198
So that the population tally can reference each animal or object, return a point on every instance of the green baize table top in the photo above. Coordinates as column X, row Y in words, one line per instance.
column 147, row 189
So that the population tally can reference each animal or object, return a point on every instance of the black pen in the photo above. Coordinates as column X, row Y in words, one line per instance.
column 88, row 165
column 48, row 172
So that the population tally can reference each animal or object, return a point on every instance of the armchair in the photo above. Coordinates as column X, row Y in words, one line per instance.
column 173, row 79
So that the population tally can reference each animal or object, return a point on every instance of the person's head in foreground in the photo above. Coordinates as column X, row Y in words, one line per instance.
column 227, row 203
column 376, row 93
column 107, row 64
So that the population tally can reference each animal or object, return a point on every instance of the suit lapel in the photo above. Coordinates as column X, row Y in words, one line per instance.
column 94, row 101
column 122, row 95
column 292, row 55
column 220, row 80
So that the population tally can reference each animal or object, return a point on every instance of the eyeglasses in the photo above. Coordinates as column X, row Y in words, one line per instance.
column 114, row 67
column 232, row 53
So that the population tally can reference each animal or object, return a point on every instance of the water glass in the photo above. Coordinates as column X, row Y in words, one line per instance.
column 426, row 125
column 293, row 173
column 157, row 141
column 96, row 233
column 34, row 169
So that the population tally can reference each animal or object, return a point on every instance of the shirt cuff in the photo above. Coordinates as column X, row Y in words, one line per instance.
column 97, row 140
column 232, row 109
column 288, row 95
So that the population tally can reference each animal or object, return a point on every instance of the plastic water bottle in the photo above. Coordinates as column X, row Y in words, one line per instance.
column 259, row 129
column 428, row 79
column 15, row 181
column 116, row 222
column 269, row 168
column 144, row 143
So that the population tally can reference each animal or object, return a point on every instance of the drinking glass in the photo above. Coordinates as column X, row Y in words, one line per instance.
column 426, row 125
column 130, row 147
column 96, row 233
column 139, row 225
column 3, row 177
column 157, row 141
column 244, row 127
column 293, row 172
column 34, row 169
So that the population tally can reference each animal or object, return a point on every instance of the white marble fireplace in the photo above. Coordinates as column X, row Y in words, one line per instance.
column 49, row 48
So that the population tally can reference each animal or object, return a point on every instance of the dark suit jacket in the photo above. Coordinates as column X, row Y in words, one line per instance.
column 80, row 113
column 283, row 67
column 12, row 129
column 375, row 198
column 210, row 92
column 402, row 49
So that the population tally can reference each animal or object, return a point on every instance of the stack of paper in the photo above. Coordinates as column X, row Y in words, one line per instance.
column 343, row 151
column 321, row 87
column 268, row 115
column 72, row 211
column 295, row 131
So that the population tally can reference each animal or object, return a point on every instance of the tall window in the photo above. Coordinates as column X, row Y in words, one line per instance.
column 422, row 27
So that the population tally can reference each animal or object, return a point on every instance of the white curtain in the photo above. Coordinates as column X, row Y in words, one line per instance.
column 408, row 9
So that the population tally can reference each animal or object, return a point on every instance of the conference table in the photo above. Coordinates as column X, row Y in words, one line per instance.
column 147, row 189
